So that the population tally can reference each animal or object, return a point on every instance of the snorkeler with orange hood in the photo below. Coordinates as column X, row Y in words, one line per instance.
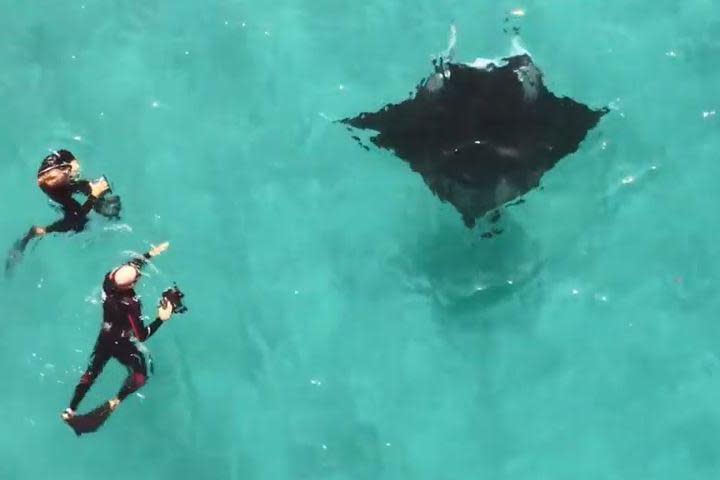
column 59, row 178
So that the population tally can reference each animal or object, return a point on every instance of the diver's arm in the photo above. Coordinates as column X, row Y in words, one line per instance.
column 87, row 206
column 70, row 205
column 93, row 190
column 141, row 331
column 140, row 262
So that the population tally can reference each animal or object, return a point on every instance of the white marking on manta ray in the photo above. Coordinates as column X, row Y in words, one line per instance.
column 505, row 191
column 508, row 152
column 435, row 82
column 529, row 77
column 484, row 63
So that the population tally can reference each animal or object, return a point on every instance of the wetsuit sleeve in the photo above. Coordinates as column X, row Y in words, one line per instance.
column 69, row 204
column 141, row 331
column 88, row 205
column 83, row 186
column 140, row 262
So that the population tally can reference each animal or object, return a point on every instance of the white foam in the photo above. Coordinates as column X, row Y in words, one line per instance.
column 452, row 43
column 517, row 47
column 483, row 63
column 118, row 227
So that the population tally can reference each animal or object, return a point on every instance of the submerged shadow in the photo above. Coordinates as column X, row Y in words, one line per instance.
column 469, row 277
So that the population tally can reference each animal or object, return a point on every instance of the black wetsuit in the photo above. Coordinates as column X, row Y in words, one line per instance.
column 122, row 328
column 75, row 215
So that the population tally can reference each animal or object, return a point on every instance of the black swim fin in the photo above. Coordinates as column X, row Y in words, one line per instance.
column 17, row 250
column 91, row 421
column 13, row 259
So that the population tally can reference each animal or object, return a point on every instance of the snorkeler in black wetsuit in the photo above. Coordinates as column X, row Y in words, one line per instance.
column 122, row 327
column 58, row 178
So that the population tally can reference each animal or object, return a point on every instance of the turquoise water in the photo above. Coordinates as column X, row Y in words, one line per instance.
column 344, row 324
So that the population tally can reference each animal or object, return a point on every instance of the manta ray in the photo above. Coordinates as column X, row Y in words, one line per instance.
column 481, row 134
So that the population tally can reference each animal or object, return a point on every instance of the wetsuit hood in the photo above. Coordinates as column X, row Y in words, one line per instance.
column 111, row 289
column 55, row 160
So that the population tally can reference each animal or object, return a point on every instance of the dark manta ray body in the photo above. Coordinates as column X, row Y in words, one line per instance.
column 481, row 136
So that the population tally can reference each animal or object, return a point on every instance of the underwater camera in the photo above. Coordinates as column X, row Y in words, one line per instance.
column 175, row 296
column 108, row 205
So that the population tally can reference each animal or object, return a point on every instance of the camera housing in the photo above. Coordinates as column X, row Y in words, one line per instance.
column 175, row 296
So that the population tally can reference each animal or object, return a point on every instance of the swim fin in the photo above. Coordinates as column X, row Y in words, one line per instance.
column 91, row 421
column 16, row 252
column 13, row 258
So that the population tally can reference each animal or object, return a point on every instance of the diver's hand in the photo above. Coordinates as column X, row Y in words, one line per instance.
column 157, row 250
column 99, row 187
column 165, row 310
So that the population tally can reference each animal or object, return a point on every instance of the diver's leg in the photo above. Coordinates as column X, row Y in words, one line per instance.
column 69, row 223
column 100, row 357
column 16, row 252
column 18, row 248
column 128, row 354
column 34, row 231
